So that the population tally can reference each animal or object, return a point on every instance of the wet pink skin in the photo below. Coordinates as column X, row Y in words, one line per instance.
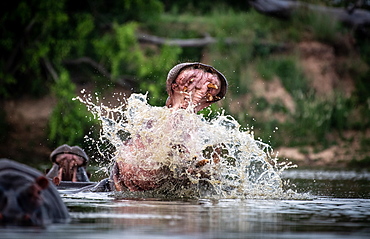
column 191, row 85
column 68, row 164
column 127, row 177
column 196, row 86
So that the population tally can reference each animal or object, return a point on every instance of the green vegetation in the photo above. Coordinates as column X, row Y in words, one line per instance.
column 125, row 56
column 321, row 26
column 54, row 45
column 70, row 121
column 287, row 70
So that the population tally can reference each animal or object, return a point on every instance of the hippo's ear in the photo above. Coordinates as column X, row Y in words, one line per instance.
column 42, row 182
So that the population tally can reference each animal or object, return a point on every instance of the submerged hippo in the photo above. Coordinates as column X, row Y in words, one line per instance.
column 27, row 197
column 187, row 83
column 69, row 164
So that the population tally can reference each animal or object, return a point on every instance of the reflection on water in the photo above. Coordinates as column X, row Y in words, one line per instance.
column 340, row 184
column 329, row 214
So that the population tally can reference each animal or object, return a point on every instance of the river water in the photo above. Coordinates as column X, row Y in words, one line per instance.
column 336, row 205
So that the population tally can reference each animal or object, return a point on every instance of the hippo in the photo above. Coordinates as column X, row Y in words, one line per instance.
column 187, row 83
column 27, row 198
column 195, row 82
column 69, row 164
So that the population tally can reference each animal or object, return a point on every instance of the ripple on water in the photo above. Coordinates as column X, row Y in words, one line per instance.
column 327, row 175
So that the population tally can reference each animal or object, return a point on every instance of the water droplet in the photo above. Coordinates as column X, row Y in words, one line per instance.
column 214, row 152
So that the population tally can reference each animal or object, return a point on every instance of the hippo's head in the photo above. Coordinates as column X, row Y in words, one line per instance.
column 27, row 198
column 66, row 149
column 195, row 83
column 69, row 159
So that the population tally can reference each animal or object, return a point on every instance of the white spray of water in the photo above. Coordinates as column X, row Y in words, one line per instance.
column 216, row 158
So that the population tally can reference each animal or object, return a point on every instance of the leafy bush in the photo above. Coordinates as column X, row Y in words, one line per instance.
column 25, row 48
column 42, row 39
column 70, row 121
column 123, row 53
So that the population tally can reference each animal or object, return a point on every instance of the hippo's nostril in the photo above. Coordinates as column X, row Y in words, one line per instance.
column 26, row 217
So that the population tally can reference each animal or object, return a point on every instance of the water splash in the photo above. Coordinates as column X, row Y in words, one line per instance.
column 204, row 158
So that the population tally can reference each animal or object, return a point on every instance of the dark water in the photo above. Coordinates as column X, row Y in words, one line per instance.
column 336, row 205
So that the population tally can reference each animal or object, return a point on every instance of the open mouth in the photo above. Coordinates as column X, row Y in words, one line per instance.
column 194, row 85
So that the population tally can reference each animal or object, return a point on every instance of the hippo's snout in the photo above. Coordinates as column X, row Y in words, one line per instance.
column 194, row 83
column 23, row 205
column 69, row 164
column 27, row 198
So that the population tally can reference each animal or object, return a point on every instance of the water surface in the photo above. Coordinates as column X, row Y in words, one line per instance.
column 335, row 204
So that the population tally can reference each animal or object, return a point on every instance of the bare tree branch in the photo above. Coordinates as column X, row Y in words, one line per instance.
column 284, row 8
column 50, row 69
column 125, row 81
column 91, row 62
column 195, row 42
